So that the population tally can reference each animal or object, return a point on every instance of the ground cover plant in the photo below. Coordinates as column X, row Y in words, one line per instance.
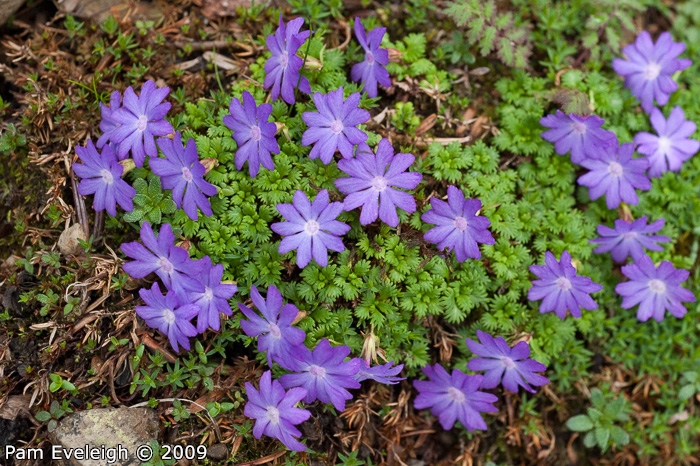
column 455, row 233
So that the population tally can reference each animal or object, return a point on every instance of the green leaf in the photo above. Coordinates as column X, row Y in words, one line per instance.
column 686, row 392
column 598, row 399
column 602, row 435
column 43, row 416
column 589, row 440
column 614, row 408
column 619, row 436
column 580, row 423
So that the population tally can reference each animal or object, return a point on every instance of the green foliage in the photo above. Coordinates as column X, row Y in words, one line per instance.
column 150, row 202
column 600, row 420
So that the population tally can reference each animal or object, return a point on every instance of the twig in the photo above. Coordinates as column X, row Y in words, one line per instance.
column 79, row 202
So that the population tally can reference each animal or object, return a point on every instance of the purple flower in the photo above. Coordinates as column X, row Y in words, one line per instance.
column 582, row 135
column 253, row 133
column 274, row 412
column 214, row 298
column 498, row 358
column 102, row 176
column 324, row 374
column 454, row 397
column 371, row 183
column 275, row 332
column 311, row 228
column 560, row 288
column 334, row 126
column 629, row 239
column 384, row 373
column 672, row 147
column 168, row 315
column 616, row 175
column 140, row 119
column 107, row 124
column 371, row 70
column 458, row 226
column 283, row 66
column 649, row 68
column 161, row 256
column 656, row 290
column 182, row 172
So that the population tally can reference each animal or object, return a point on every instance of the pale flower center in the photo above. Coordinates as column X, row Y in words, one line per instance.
column 665, row 144
column 369, row 58
column 629, row 235
column 563, row 283
column 284, row 60
column 652, row 71
column 275, row 330
column 186, row 174
column 337, row 127
column 165, row 265
column 317, row 371
column 273, row 414
column 460, row 223
column 311, row 227
column 208, row 294
column 657, row 286
column 379, row 183
column 168, row 316
column 615, row 169
column 508, row 362
column 456, row 394
column 579, row 127
column 106, row 176
column 141, row 123
column 255, row 133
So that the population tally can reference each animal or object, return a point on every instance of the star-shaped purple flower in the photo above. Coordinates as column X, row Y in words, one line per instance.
column 384, row 373
column 324, row 374
column 274, row 330
column 617, row 175
column 454, row 397
column 458, row 226
column 656, row 290
column 253, row 133
column 582, row 135
column 334, row 126
column 171, row 263
column 214, row 299
column 630, row 239
column 182, row 172
column 102, row 176
column 371, row 71
column 274, row 412
column 372, row 184
column 649, row 67
column 107, row 124
column 672, row 147
column 311, row 228
column 140, row 119
column 560, row 288
column 169, row 315
column 283, row 67
column 501, row 361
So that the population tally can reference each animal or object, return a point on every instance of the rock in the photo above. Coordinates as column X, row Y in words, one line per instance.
column 68, row 241
column 217, row 452
column 8, row 8
column 123, row 428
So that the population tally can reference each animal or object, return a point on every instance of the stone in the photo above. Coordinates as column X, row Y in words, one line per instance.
column 122, row 428
column 8, row 8
column 68, row 241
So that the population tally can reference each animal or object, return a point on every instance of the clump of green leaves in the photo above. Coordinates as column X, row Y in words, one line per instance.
column 600, row 422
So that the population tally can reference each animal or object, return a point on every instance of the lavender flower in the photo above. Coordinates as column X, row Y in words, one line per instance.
column 311, row 228
column 169, row 315
column 656, row 290
column 323, row 374
column 629, row 239
column 371, row 70
column 274, row 412
column 454, row 397
column 649, row 67
column 107, row 124
column 560, row 287
column 275, row 332
column 616, row 175
column 458, row 226
column 101, row 175
column 672, row 147
column 334, row 126
column 582, row 135
column 161, row 256
column 372, row 181
column 214, row 298
column 283, row 66
column 384, row 373
column 140, row 119
column 498, row 358
column 182, row 172
column 253, row 133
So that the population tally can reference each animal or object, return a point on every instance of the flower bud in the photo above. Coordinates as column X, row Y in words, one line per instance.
column 300, row 316
column 128, row 165
column 395, row 55
column 209, row 164
column 313, row 64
